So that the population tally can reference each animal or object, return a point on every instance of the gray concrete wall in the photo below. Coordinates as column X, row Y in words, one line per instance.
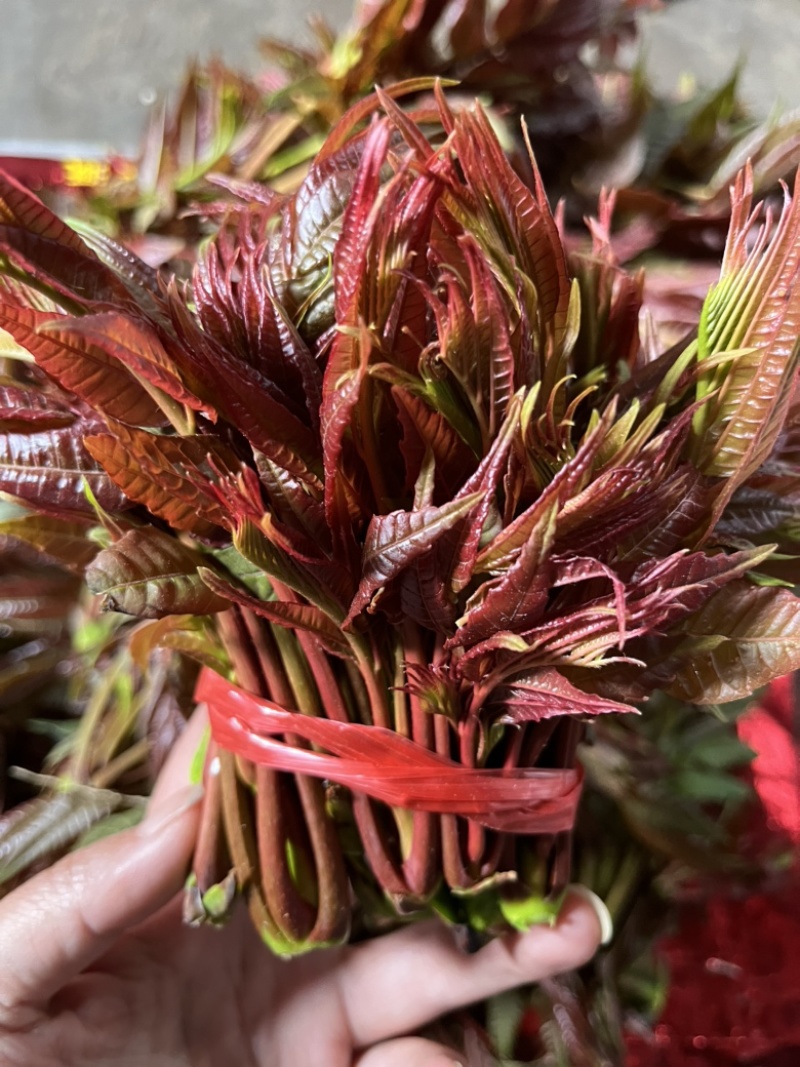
column 83, row 70
column 708, row 37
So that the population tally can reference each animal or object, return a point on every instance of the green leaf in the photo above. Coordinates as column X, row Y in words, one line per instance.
column 754, row 311
column 112, row 824
column 150, row 574
column 530, row 911
column 190, row 635
column 714, row 787
column 721, row 750
column 275, row 563
column 244, row 571
column 504, row 1013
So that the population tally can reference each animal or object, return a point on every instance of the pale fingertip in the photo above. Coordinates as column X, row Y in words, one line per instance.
column 184, row 764
column 599, row 907
column 170, row 810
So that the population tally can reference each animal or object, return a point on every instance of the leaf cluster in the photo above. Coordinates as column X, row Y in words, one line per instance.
column 398, row 398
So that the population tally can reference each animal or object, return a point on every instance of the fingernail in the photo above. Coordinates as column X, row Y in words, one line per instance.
column 171, row 810
column 600, row 910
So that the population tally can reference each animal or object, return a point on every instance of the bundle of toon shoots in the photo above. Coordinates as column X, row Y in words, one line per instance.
column 407, row 495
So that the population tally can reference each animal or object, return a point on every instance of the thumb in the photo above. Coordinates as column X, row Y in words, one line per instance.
column 409, row 1052
column 58, row 923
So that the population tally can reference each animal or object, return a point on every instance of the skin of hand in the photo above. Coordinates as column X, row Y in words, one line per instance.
column 96, row 969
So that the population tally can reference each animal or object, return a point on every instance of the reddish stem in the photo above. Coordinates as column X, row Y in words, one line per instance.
column 254, row 660
column 211, row 860
column 331, row 922
column 455, row 873
column 293, row 914
column 383, row 866
column 420, row 867
column 468, row 744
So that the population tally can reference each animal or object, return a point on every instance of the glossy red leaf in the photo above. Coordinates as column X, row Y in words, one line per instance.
column 87, row 370
column 171, row 476
column 49, row 468
column 83, row 369
column 23, row 405
column 546, row 693
column 294, row 502
column 123, row 342
column 237, row 307
column 340, row 399
column 493, row 372
column 486, row 481
column 515, row 602
column 253, row 404
column 426, row 428
column 395, row 540
column 358, row 225
column 53, row 253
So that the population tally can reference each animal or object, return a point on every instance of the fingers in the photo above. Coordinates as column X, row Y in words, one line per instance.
column 175, row 774
column 396, row 984
column 408, row 1052
column 59, row 922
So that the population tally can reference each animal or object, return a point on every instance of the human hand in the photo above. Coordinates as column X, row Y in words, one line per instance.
column 96, row 969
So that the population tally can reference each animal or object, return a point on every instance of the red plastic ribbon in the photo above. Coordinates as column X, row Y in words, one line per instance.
column 388, row 767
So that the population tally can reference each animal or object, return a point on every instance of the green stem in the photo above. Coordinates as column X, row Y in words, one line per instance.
column 399, row 699
column 297, row 672
column 625, row 885
column 115, row 768
column 91, row 720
